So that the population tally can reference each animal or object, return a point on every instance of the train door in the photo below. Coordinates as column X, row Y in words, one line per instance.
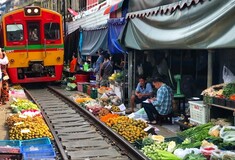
column 33, row 32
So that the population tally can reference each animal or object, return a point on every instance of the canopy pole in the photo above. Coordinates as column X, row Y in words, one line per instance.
column 130, row 75
column 209, row 68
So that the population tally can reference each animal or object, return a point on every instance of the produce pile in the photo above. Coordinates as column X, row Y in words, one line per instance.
column 223, row 91
column 19, row 105
column 211, row 140
column 130, row 129
column 28, row 123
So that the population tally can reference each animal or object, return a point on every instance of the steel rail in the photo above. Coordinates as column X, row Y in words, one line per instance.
column 57, row 141
column 126, row 148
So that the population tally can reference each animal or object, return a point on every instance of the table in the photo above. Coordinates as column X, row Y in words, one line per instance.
column 225, row 108
column 181, row 99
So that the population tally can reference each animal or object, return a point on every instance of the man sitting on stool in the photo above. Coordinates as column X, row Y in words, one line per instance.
column 161, row 104
column 143, row 91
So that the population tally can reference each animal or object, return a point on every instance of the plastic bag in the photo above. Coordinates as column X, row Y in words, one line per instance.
column 228, row 76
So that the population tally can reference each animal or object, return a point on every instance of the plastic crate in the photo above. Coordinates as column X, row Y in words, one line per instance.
column 199, row 112
column 12, row 156
column 80, row 85
column 39, row 155
column 44, row 147
column 36, row 141
column 9, row 149
column 11, row 143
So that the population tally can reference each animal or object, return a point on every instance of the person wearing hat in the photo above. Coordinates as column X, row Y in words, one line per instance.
column 98, row 65
column 161, row 104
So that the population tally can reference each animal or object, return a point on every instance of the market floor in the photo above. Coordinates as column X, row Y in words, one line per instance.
column 4, row 112
column 166, row 130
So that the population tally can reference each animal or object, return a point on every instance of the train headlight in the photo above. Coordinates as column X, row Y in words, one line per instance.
column 58, row 58
column 36, row 10
column 29, row 10
column 12, row 60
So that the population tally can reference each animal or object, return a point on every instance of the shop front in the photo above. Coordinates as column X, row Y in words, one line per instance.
column 190, row 34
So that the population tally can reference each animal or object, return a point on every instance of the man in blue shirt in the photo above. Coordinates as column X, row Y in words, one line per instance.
column 161, row 104
column 143, row 91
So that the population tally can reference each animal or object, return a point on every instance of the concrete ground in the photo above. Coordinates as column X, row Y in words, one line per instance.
column 4, row 112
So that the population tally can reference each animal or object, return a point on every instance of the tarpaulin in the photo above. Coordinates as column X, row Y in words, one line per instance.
column 115, row 26
column 93, row 40
column 188, row 24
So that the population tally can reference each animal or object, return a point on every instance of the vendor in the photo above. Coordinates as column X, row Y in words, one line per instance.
column 143, row 91
column 98, row 65
column 161, row 104
column 106, row 70
column 73, row 63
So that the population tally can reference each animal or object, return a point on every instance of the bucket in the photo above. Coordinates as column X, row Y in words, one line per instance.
column 82, row 78
column 94, row 93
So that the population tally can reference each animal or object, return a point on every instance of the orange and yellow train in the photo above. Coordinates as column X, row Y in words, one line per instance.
column 33, row 40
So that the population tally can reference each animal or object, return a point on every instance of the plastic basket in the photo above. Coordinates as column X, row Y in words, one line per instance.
column 39, row 155
column 36, row 141
column 12, row 156
column 11, row 143
column 199, row 112
column 44, row 147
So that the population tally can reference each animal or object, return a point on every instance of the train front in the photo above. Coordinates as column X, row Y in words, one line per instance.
column 34, row 45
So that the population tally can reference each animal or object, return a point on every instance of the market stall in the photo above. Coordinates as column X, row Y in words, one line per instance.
column 213, row 140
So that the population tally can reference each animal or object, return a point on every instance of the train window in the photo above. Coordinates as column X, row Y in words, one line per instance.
column 52, row 31
column 15, row 32
column 33, row 32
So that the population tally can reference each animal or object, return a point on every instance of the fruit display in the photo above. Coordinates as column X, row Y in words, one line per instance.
column 130, row 129
column 23, row 104
column 115, row 109
column 118, row 77
column 103, row 112
column 103, row 89
column 21, row 128
column 110, row 100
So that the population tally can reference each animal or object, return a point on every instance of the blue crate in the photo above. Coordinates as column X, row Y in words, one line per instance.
column 36, row 141
column 43, row 147
column 12, row 143
column 39, row 155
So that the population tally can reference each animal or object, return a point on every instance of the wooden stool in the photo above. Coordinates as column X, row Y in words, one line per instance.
column 161, row 118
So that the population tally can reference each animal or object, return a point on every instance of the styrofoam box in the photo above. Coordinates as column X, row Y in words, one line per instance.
column 199, row 112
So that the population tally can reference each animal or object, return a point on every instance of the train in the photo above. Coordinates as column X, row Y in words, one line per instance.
column 32, row 38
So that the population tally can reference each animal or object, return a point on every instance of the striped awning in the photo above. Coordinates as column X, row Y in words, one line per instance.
column 169, row 8
column 113, row 8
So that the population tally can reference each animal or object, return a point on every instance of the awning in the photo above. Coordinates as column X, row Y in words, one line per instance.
column 189, row 24
column 165, row 9
column 93, row 40
column 72, row 12
column 115, row 26
column 113, row 7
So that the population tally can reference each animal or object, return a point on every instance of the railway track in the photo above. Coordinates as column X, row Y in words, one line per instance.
column 78, row 134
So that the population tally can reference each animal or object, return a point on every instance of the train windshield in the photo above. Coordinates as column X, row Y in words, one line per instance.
column 52, row 31
column 33, row 32
column 15, row 32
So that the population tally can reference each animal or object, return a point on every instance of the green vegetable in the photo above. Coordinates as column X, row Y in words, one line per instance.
column 190, row 145
column 229, row 89
column 197, row 133
column 163, row 155
column 147, row 141
column 193, row 156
